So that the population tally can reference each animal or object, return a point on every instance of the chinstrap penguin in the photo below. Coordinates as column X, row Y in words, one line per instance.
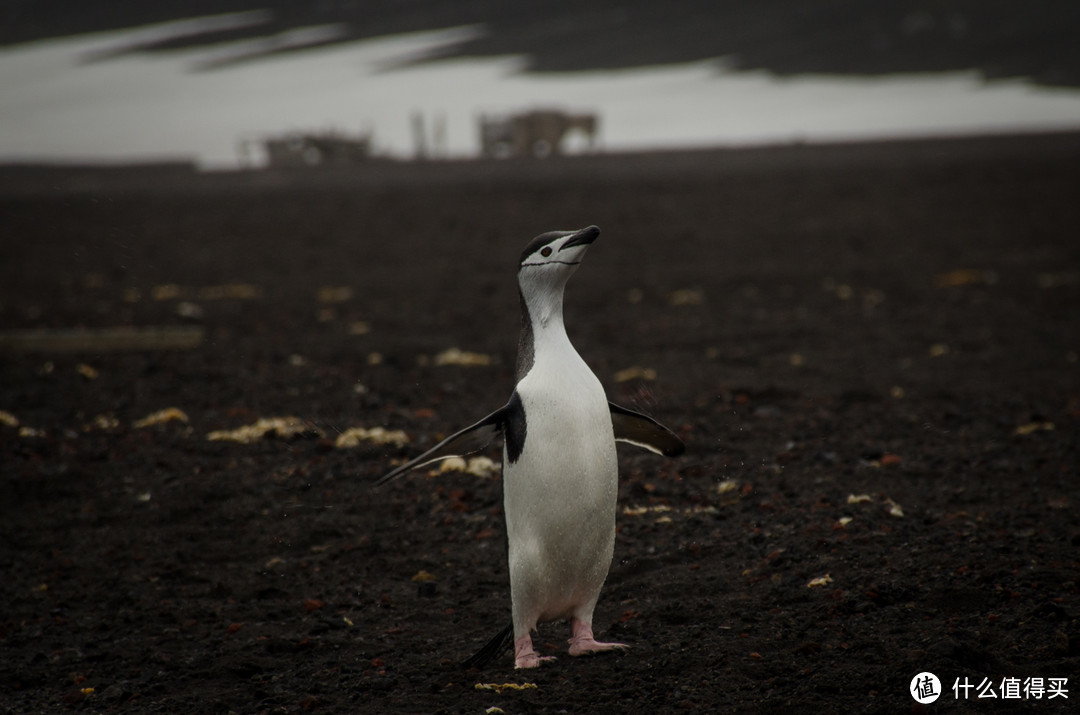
column 560, row 470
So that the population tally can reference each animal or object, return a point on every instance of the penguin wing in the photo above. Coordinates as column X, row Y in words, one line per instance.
column 469, row 440
column 645, row 432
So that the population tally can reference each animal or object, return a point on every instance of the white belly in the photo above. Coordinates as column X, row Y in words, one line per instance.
column 560, row 497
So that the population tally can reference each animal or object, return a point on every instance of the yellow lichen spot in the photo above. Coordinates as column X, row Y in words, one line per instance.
column 820, row 581
column 8, row 420
column 687, row 296
column 482, row 467
column 844, row 520
column 168, row 414
column 282, row 427
column 422, row 576
column 169, row 291
column 894, row 509
column 476, row 466
column 359, row 327
column 353, row 436
column 963, row 277
column 728, row 485
column 335, row 294
column 635, row 373
column 1031, row 427
column 233, row 291
column 102, row 422
column 454, row 356
column 86, row 371
column 503, row 687
column 858, row 498
column 939, row 350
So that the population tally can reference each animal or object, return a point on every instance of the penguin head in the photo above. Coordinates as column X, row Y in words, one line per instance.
column 555, row 254
column 546, row 264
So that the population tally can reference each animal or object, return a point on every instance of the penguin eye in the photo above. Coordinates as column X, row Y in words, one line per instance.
column 545, row 251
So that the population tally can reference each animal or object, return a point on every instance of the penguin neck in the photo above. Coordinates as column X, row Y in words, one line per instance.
column 542, row 329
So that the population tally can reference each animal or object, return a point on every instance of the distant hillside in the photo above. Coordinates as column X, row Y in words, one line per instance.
column 1001, row 38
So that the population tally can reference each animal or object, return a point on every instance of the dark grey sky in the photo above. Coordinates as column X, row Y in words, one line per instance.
column 1002, row 38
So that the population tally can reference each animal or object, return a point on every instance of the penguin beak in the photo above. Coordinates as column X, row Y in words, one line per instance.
column 582, row 238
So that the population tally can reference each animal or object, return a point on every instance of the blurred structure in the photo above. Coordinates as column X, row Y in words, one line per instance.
column 536, row 133
column 422, row 150
column 301, row 149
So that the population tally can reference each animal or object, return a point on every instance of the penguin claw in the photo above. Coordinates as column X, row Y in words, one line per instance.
column 532, row 660
column 591, row 646
column 525, row 656
column 583, row 642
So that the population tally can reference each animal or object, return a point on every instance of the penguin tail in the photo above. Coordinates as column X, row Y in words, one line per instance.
column 492, row 650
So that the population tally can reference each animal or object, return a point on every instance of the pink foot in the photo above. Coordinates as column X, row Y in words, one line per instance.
column 524, row 654
column 583, row 642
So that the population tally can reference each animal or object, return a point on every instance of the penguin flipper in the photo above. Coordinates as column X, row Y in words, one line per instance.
column 645, row 432
column 469, row 440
